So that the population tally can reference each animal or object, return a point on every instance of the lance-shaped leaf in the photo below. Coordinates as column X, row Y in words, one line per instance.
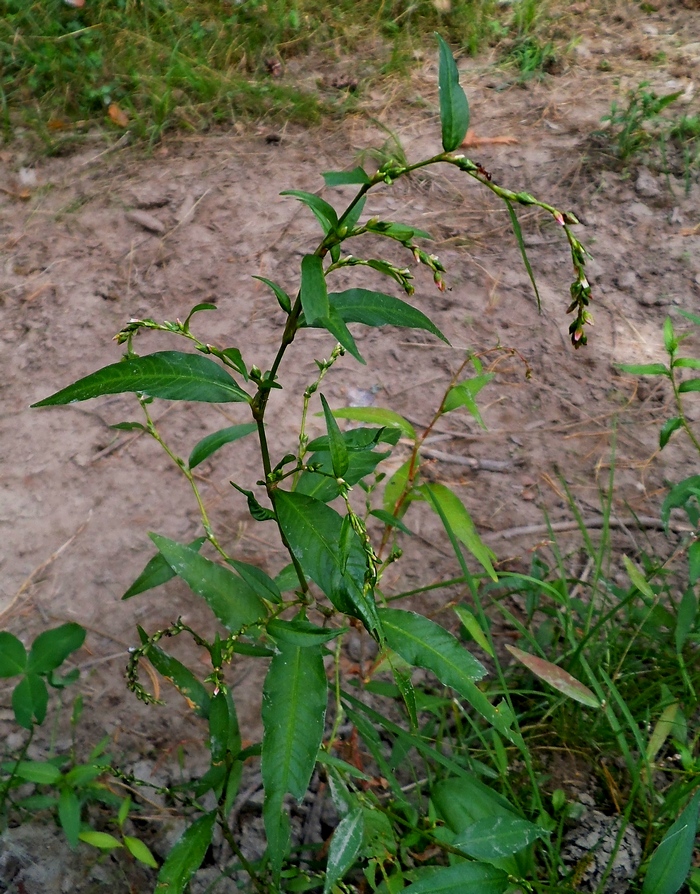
column 314, row 292
column 283, row 299
column 556, row 676
column 497, row 836
column 378, row 309
column 313, row 531
column 257, row 580
column 459, row 879
column 204, row 449
column 336, row 444
column 337, row 327
column 345, row 845
column 302, row 633
column 680, row 497
column 463, row 394
column 170, row 375
column 461, row 523
column 324, row 213
column 230, row 598
column 157, row 572
column 324, row 488
column 644, row 369
column 186, row 856
column 182, row 678
column 341, row 178
column 378, row 416
column 295, row 696
column 454, row 107
column 667, row 429
column 672, row 859
column 523, row 252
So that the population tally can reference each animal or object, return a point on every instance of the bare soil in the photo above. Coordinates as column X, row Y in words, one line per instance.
column 78, row 497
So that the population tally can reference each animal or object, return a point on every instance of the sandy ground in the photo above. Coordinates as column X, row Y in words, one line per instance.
column 77, row 497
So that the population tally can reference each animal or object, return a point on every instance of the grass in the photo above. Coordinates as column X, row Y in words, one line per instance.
column 194, row 63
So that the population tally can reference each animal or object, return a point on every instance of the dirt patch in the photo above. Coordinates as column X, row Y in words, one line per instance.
column 109, row 235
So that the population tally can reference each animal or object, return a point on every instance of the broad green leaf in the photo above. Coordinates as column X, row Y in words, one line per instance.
column 302, row 633
column 644, row 369
column 30, row 699
column 461, row 523
column 182, row 678
column 287, row 579
column 523, row 253
column 667, row 429
column 494, row 837
column 313, row 531
column 423, row 643
column 140, row 851
column 283, row 299
column 324, row 213
column 257, row 580
column 170, row 375
column 378, row 309
column 689, row 385
column 341, row 178
column 325, row 488
column 51, row 648
column 359, row 439
column 230, row 598
column 400, row 232
column 69, row 815
column 472, row 625
column 454, row 107
column 345, row 844
column 679, row 496
column 637, row 578
column 694, row 562
column 377, row 416
column 687, row 613
column 314, row 292
column 687, row 363
column 461, row 879
column 82, row 774
column 39, row 772
column 336, row 444
column 672, row 859
column 157, row 572
column 204, row 449
column 13, row 655
column 186, row 856
column 295, row 695
column 102, row 840
column 556, row 676
column 337, row 327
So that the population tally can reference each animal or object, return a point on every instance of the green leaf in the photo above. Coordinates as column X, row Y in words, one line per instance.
column 30, row 699
column 313, row 531
column 182, row 678
column 258, row 511
column 497, row 836
column 295, row 696
column 687, row 613
column 186, row 856
column 102, row 840
column 337, row 327
column 204, row 449
column 338, row 450
column 129, row 426
column 464, row 395
column 644, row 369
column 13, row 655
column 400, row 232
column 670, row 340
column 283, row 299
column 694, row 562
column 459, row 879
column 325, row 487
column 377, row 416
column 302, row 633
column 686, row 363
column 396, row 486
column 668, row 428
column 378, row 309
column 323, row 212
column 345, row 845
column 170, row 375
column 230, row 598
column 423, row 643
column 556, row 677
column 140, row 852
column 454, row 107
column 234, row 356
column 689, row 385
column 341, row 178
column 472, row 625
column 314, row 292
column 157, row 572
column 258, row 581
column 637, row 578
column 672, row 859
column 452, row 508
column 523, row 253
column 69, row 815
column 391, row 520
column 694, row 318
column 39, row 772
column 359, row 439
column 51, row 648
column 679, row 496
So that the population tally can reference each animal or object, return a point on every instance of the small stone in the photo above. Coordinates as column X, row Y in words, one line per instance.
column 639, row 211
column 646, row 184
column 147, row 221
column 627, row 281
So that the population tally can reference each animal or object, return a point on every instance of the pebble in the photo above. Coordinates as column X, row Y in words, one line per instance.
column 146, row 220
column 646, row 184
column 627, row 281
